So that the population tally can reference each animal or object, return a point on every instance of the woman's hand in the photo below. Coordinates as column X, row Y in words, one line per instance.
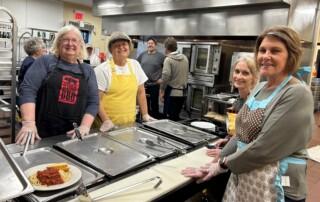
column 215, row 153
column 210, row 170
column 148, row 118
column 106, row 125
column 28, row 127
column 221, row 142
column 192, row 172
column 84, row 130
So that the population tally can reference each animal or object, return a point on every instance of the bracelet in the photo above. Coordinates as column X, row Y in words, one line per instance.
column 222, row 163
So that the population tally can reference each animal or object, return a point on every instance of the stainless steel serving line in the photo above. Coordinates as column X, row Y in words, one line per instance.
column 49, row 155
column 180, row 132
column 105, row 154
column 13, row 181
column 148, row 142
column 103, row 158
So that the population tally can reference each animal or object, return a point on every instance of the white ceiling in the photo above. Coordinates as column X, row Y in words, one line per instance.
column 81, row 2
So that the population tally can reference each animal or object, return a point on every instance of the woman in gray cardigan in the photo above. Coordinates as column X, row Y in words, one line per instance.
column 272, row 128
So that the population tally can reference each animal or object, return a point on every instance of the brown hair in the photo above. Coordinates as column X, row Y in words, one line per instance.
column 290, row 39
column 170, row 44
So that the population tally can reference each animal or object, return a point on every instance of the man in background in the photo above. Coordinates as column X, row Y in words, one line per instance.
column 152, row 62
column 173, row 80
column 92, row 59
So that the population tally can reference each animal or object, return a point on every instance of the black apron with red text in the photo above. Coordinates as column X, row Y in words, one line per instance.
column 61, row 101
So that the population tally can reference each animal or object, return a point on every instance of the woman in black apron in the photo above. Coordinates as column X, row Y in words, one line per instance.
column 59, row 90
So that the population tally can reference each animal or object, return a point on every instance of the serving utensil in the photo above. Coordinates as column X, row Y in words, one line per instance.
column 159, row 139
column 29, row 135
column 152, row 143
column 159, row 181
column 77, row 131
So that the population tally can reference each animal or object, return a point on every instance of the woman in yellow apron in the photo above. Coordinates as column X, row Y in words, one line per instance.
column 121, row 85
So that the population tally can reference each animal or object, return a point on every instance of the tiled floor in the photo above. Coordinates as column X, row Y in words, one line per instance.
column 313, row 170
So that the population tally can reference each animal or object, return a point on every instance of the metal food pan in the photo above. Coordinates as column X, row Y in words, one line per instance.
column 104, row 154
column 180, row 132
column 49, row 155
column 13, row 181
column 161, row 146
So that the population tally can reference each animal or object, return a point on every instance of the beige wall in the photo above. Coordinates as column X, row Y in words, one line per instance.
column 98, row 40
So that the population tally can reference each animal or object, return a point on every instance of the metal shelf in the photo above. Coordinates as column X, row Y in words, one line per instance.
column 8, row 55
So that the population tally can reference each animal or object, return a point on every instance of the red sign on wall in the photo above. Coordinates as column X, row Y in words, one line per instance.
column 77, row 15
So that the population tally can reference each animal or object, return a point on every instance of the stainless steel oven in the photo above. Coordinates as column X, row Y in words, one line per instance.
column 197, row 90
column 196, row 93
column 205, row 58
column 186, row 49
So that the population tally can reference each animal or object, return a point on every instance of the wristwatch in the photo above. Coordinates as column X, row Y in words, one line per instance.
column 222, row 163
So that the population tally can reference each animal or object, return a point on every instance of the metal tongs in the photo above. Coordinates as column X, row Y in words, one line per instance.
column 29, row 135
column 130, row 187
column 151, row 143
column 76, row 130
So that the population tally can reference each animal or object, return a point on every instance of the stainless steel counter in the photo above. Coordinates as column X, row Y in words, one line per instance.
column 49, row 142
column 45, row 142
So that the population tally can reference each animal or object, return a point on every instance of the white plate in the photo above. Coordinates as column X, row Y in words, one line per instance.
column 75, row 177
column 203, row 125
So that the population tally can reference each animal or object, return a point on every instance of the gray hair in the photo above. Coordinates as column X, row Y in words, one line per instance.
column 33, row 45
column 58, row 40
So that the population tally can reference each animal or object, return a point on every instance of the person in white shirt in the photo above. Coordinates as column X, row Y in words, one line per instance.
column 94, row 59
column 121, row 86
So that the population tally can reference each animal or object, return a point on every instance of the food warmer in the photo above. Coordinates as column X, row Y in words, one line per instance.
column 148, row 142
column 47, row 155
column 105, row 154
column 13, row 181
column 180, row 132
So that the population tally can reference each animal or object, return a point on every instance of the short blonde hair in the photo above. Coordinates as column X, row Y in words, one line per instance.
column 252, row 68
column 57, row 41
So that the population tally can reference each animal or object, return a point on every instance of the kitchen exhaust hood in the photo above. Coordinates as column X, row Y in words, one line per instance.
column 206, row 17
column 124, row 7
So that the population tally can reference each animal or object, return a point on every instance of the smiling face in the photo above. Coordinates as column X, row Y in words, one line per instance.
column 272, row 57
column 242, row 76
column 120, row 49
column 151, row 46
column 69, row 45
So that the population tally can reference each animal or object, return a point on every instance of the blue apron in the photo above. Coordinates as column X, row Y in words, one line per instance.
column 242, row 187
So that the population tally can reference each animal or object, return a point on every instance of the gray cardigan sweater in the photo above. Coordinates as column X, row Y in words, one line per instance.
column 286, row 131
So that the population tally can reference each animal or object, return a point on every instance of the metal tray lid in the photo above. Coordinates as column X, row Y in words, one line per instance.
column 182, row 132
column 105, row 154
column 156, row 145
column 46, row 155
column 13, row 181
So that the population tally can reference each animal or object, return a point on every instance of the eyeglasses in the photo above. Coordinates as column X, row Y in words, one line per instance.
column 72, row 41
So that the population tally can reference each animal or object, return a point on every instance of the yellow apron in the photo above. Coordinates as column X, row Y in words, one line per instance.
column 231, row 123
column 120, row 101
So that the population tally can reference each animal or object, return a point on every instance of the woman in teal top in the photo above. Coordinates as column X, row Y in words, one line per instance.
column 273, row 128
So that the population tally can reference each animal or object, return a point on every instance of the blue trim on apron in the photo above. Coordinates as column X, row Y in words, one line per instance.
column 254, row 104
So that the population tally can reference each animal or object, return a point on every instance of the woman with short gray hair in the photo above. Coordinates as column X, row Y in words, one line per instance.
column 58, row 91
column 35, row 48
